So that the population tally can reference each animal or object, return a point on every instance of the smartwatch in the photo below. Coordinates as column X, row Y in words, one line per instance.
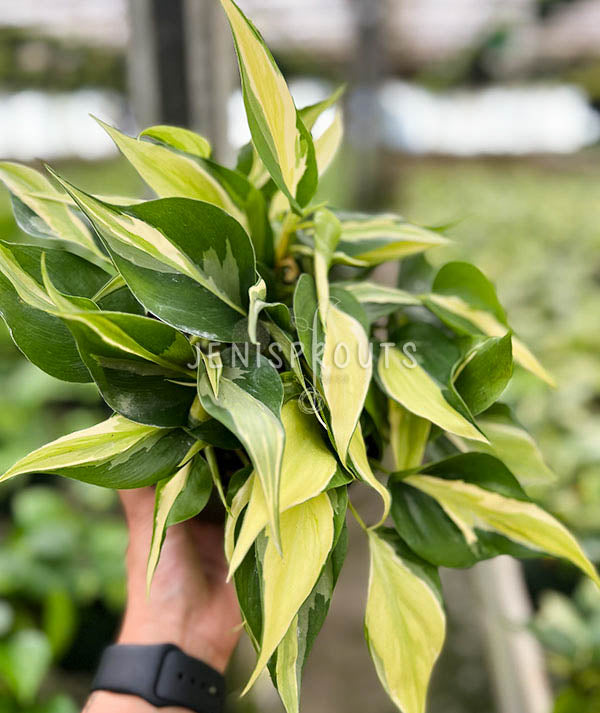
column 161, row 674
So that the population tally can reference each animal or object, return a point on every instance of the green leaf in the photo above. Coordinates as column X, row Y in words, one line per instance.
column 465, row 300
column 307, row 533
column 42, row 337
column 178, row 498
column 40, row 212
column 311, row 113
column 115, row 454
column 306, row 470
column 328, row 143
column 346, row 370
column 418, row 375
column 486, row 373
column 249, row 405
column 178, row 138
column 477, row 499
column 279, row 136
column 177, row 263
column 405, row 625
column 371, row 240
column 24, row 662
column 308, row 326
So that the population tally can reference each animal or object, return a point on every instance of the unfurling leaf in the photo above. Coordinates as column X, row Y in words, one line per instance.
column 405, row 624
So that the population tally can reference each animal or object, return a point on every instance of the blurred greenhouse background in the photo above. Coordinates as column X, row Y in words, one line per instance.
column 479, row 115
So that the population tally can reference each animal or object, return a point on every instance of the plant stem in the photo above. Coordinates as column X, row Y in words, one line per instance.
column 290, row 223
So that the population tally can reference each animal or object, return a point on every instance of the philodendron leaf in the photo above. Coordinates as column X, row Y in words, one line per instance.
column 418, row 372
column 312, row 112
column 486, row 373
column 328, row 144
column 466, row 301
column 292, row 653
column 327, row 235
column 178, row 138
column 278, row 133
column 470, row 507
column 306, row 318
column 249, row 405
column 40, row 212
column 173, row 173
column 346, row 370
column 307, row 468
column 178, row 498
column 114, row 454
column 134, row 360
column 371, row 240
column 511, row 443
column 41, row 336
column 307, row 533
column 186, row 261
column 405, row 625
column 408, row 436
column 360, row 462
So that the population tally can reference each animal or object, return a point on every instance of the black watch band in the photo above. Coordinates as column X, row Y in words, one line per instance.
column 163, row 675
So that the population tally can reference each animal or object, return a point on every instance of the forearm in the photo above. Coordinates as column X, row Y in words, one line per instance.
column 101, row 702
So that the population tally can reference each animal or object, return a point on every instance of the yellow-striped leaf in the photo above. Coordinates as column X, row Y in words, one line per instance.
column 327, row 235
column 178, row 138
column 307, row 467
column 408, row 436
column 346, row 370
column 178, row 498
column 40, row 211
column 306, row 538
column 405, row 624
column 115, row 454
column 473, row 507
column 173, row 174
column 410, row 385
column 328, row 144
column 249, row 405
column 375, row 239
column 358, row 457
column 281, row 139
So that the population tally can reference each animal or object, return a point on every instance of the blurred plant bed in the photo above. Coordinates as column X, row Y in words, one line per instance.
column 29, row 60
column 569, row 629
column 61, row 592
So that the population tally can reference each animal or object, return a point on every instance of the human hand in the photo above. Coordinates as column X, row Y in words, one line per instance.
column 190, row 603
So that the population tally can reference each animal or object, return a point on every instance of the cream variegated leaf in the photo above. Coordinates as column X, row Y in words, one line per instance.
column 405, row 623
column 487, row 323
column 179, row 138
column 49, row 216
column 306, row 469
column 373, row 293
column 173, row 174
column 376, row 239
column 282, row 141
column 346, row 370
column 288, row 685
column 28, row 289
column 471, row 507
column 147, row 247
column 358, row 457
column 408, row 436
column 114, row 453
column 306, row 539
column 329, row 142
column 411, row 386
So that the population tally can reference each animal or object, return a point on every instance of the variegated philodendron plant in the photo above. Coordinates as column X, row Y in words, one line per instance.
column 235, row 365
